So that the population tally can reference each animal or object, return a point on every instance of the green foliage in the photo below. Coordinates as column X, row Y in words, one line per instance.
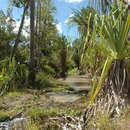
column 113, row 33
column 77, row 50
column 104, row 74
column 102, row 122
column 49, row 70
column 14, row 94
column 62, row 88
column 37, row 113
column 18, row 3
column 12, row 75
column 63, row 43
column 83, row 19
column 73, row 71
column 32, row 126
column 115, row 41
column 4, row 115
column 86, row 52
column 43, row 81
column 6, row 35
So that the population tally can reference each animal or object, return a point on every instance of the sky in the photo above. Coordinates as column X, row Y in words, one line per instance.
column 64, row 9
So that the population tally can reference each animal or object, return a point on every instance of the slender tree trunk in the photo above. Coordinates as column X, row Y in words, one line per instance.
column 38, row 34
column 20, row 30
column 32, row 71
column 63, row 56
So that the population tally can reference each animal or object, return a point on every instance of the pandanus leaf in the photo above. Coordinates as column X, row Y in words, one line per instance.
column 124, row 33
column 104, row 74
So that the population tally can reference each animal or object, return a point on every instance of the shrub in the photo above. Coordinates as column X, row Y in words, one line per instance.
column 37, row 113
column 32, row 126
column 49, row 70
column 4, row 115
column 43, row 81
column 103, row 122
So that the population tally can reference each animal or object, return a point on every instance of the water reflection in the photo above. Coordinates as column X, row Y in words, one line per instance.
column 78, row 84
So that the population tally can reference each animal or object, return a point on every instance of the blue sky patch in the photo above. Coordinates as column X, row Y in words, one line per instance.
column 64, row 11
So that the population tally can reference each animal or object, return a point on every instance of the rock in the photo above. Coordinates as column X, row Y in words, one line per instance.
column 19, row 124
column 16, row 124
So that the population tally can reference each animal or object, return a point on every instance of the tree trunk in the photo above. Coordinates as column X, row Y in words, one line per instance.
column 38, row 37
column 20, row 30
column 63, row 62
column 32, row 71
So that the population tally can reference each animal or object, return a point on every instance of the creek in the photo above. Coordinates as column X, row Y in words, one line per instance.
column 80, row 85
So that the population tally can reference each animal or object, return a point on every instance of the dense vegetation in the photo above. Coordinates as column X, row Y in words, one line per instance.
column 36, row 61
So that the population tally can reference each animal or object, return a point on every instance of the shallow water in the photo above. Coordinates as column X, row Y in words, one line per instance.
column 78, row 82
column 64, row 97
column 79, row 85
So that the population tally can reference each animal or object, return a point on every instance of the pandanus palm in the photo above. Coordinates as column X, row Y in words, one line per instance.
column 113, row 89
column 83, row 18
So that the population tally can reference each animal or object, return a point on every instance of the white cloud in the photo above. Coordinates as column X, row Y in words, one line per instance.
column 59, row 27
column 73, row 1
column 26, row 27
column 67, row 20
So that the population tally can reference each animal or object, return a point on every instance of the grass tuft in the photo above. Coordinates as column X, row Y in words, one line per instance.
column 32, row 126
column 14, row 94
column 37, row 113
column 4, row 115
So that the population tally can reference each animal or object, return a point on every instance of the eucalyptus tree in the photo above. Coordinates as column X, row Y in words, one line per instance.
column 48, row 30
column 46, row 35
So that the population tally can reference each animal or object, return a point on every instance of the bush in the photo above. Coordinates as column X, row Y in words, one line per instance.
column 103, row 122
column 4, row 115
column 43, row 81
column 32, row 126
column 73, row 71
column 37, row 113
column 49, row 70
column 13, row 75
